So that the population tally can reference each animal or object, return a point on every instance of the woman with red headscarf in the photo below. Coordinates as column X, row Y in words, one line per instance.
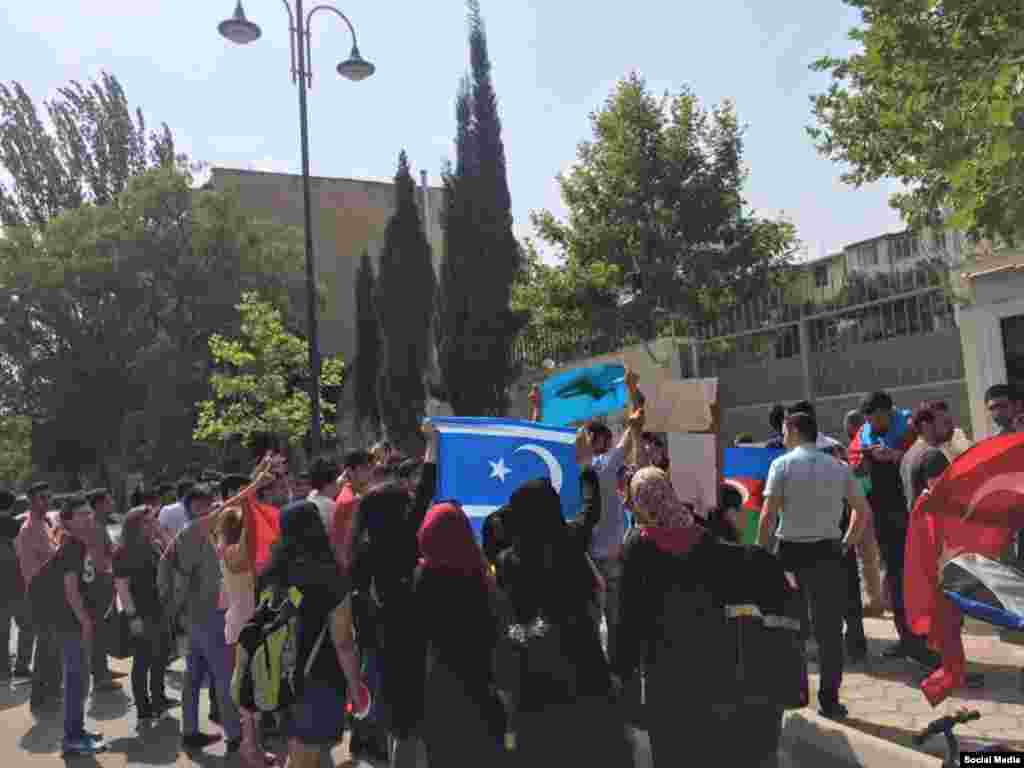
column 463, row 721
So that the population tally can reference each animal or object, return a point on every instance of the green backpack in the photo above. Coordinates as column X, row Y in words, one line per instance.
column 264, row 679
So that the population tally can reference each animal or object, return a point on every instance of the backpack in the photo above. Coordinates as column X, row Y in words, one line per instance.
column 265, row 676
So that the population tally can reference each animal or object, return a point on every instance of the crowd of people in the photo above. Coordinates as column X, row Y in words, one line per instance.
column 521, row 649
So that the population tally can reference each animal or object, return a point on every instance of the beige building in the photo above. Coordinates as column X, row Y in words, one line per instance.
column 992, row 328
column 349, row 217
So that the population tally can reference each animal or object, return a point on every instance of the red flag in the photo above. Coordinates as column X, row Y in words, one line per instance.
column 263, row 528
column 986, row 483
column 980, row 484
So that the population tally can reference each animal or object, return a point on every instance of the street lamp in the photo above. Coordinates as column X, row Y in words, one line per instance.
column 238, row 29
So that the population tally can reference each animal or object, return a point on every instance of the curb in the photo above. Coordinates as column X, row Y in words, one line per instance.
column 808, row 736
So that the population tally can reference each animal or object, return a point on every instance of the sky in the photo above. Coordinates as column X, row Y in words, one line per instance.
column 554, row 63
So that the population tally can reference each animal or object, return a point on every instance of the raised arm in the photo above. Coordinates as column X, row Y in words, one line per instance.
column 536, row 406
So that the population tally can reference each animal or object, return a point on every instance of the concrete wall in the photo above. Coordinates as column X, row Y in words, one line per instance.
column 349, row 216
column 911, row 368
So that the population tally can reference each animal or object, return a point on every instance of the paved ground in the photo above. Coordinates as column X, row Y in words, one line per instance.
column 27, row 740
column 884, row 699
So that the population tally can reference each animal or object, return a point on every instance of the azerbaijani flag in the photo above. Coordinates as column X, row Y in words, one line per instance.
column 746, row 470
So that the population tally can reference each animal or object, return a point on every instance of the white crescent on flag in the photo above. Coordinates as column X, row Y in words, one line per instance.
column 554, row 468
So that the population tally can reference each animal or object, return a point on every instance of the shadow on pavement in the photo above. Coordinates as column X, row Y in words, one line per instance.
column 112, row 705
column 155, row 744
column 14, row 697
column 811, row 752
column 44, row 737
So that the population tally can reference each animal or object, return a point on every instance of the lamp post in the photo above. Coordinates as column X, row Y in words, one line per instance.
column 238, row 29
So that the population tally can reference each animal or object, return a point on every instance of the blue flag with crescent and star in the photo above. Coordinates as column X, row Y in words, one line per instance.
column 583, row 393
column 482, row 461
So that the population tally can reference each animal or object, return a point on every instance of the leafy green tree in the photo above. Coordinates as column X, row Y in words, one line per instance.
column 15, row 451
column 567, row 297
column 657, row 193
column 476, row 326
column 95, row 146
column 933, row 99
column 258, row 383
column 106, row 313
column 404, row 301
column 368, row 352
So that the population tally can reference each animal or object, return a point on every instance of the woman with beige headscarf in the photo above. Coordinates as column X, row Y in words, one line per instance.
column 672, row 627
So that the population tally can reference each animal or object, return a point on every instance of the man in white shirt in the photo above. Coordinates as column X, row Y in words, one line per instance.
column 323, row 475
column 174, row 517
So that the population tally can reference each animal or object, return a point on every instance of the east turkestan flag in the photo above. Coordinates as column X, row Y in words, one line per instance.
column 483, row 460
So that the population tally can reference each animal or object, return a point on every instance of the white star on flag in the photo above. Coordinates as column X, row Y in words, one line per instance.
column 499, row 470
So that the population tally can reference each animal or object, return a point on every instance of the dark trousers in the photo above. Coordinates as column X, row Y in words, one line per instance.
column 12, row 610
column 104, row 590
column 892, row 542
column 821, row 576
column 856, row 641
column 47, row 669
column 149, row 667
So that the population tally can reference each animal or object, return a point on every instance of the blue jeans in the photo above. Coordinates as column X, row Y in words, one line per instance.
column 76, row 683
column 209, row 654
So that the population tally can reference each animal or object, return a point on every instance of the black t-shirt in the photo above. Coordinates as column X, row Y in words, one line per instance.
column 74, row 558
column 140, row 570
column 928, row 463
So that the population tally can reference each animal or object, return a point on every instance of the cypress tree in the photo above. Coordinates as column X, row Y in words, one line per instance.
column 476, row 328
column 404, row 302
column 367, row 361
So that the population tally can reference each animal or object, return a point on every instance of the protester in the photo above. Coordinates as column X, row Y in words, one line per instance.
column 302, row 486
column 354, row 482
column 235, row 549
column 882, row 442
column 194, row 559
column 607, row 536
column 867, row 549
column 654, row 452
column 551, row 587
column 323, row 476
column 808, row 488
column 101, row 550
column 775, row 419
column 462, row 719
column 76, row 624
column 384, row 558
column 35, row 546
column 1003, row 405
column 854, row 638
column 12, row 588
column 381, row 452
column 135, row 577
column 303, row 558
column 174, row 517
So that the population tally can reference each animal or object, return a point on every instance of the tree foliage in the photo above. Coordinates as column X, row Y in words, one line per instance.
column 259, row 385
column 657, row 192
column 368, row 352
column 96, row 144
column 105, row 316
column 15, row 451
column 476, row 326
column 567, row 297
column 404, row 302
column 933, row 98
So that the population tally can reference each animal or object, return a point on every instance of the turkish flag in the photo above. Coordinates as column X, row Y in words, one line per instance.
column 975, row 507
column 985, row 484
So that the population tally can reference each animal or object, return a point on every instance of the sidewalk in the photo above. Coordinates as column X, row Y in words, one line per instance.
column 885, row 701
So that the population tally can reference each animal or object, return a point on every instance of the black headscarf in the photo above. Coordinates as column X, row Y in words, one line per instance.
column 384, row 548
column 542, row 571
column 303, row 555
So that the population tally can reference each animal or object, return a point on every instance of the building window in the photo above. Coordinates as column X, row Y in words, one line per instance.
column 904, row 248
column 869, row 255
column 821, row 277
